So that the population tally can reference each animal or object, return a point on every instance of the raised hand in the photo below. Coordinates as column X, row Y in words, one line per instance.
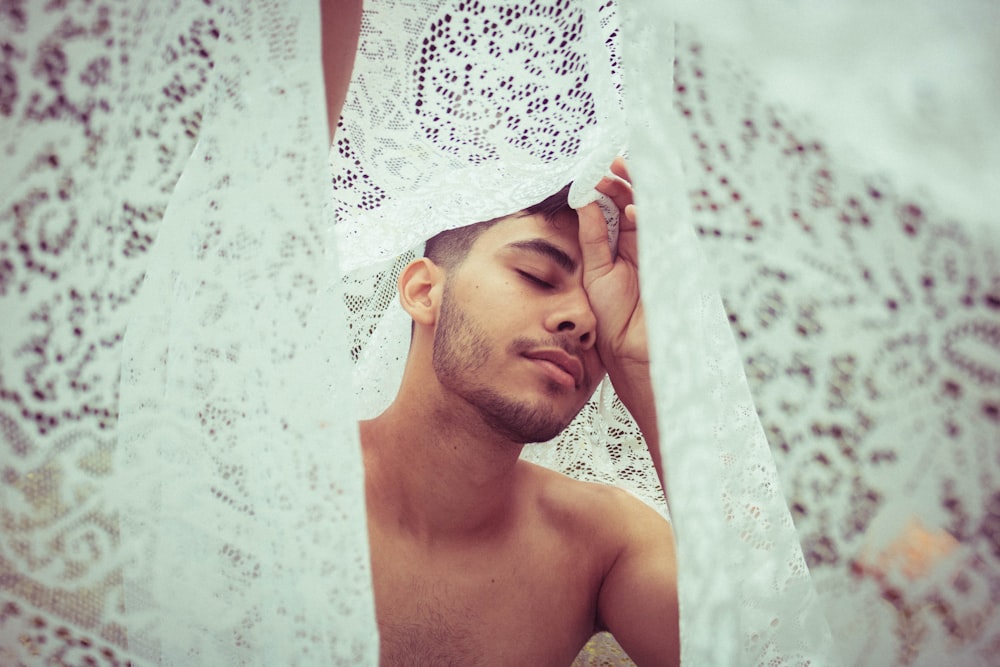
column 612, row 285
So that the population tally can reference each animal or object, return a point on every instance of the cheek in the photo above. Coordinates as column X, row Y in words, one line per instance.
column 506, row 298
column 501, row 303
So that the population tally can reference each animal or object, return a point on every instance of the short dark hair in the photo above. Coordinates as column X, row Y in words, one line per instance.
column 449, row 248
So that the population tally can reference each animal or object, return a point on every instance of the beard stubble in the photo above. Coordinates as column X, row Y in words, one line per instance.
column 461, row 350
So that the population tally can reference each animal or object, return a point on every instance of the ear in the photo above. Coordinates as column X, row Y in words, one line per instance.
column 420, row 285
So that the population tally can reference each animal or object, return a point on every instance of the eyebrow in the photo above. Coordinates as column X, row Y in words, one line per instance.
column 547, row 250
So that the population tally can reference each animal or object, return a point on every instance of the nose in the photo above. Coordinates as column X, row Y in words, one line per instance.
column 574, row 316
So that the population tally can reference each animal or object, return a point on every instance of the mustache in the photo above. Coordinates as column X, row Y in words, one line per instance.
column 568, row 344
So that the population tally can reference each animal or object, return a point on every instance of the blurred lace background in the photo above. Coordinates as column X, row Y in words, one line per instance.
column 840, row 174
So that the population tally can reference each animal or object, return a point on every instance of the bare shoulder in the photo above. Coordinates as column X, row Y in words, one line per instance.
column 607, row 514
column 637, row 594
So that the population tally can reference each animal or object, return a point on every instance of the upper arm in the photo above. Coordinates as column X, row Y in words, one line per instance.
column 638, row 598
column 341, row 26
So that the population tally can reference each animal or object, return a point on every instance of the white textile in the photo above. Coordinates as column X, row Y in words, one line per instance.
column 198, row 304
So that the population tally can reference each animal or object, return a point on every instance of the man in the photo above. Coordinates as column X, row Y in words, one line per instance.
column 478, row 557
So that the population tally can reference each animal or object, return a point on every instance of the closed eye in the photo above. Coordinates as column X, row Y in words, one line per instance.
column 535, row 280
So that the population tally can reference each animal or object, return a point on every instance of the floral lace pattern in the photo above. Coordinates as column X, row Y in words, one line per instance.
column 179, row 475
column 868, row 322
column 133, row 394
column 89, row 162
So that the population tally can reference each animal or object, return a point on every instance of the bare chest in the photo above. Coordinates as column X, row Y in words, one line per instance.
column 513, row 605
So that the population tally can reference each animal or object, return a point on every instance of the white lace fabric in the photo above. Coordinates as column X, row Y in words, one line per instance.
column 220, row 520
column 195, row 320
column 864, row 301
column 734, row 506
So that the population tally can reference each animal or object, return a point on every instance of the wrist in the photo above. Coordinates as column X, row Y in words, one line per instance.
column 630, row 377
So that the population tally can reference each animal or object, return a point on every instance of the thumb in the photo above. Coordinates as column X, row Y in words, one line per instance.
column 594, row 247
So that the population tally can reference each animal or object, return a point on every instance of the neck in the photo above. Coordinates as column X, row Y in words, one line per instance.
column 437, row 473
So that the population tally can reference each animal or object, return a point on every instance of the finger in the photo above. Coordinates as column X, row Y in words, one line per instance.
column 628, row 237
column 620, row 169
column 625, row 202
column 630, row 216
column 619, row 191
column 594, row 247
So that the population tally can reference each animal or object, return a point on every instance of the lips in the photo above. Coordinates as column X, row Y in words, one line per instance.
column 568, row 364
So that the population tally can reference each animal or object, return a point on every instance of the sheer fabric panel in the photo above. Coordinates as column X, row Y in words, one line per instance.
column 195, row 315
column 168, row 170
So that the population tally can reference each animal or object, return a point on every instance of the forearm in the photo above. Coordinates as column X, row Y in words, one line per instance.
column 634, row 387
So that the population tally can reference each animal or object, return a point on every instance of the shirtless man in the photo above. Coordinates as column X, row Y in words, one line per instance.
column 481, row 558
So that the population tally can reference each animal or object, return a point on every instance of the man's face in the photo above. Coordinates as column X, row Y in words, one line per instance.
column 516, row 336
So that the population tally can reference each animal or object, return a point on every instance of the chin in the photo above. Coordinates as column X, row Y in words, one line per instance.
column 521, row 421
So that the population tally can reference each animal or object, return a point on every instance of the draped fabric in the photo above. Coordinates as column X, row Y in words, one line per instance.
column 197, row 306
column 183, row 464
column 842, row 171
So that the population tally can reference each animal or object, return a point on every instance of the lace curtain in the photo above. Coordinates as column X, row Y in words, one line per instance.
column 842, row 182
column 187, row 288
